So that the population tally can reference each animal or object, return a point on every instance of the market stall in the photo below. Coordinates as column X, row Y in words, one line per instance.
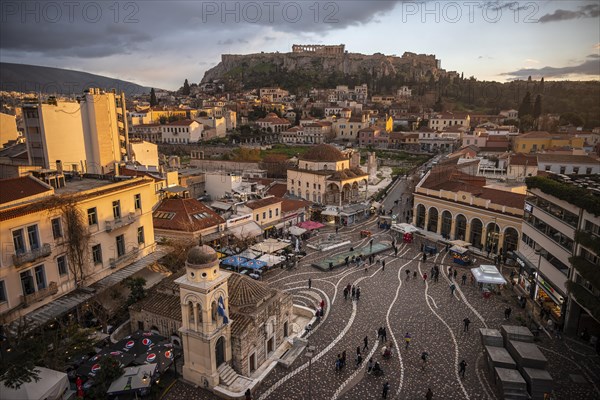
column 272, row 259
column 311, row 225
column 460, row 255
column 296, row 231
column 270, row 246
column 488, row 277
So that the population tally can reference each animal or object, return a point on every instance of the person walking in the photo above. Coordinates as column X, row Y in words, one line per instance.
column 436, row 276
column 353, row 293
column 309, row 283
column 464, row 279
column 386, row 389
column 395, row 251
column 370, row 365
column 366, row 341
column 466, row 323
column 337, row 228
column 358, row 293
column 415, row 275
column 452, row 289
column 455, row 273
column 358, row 360
column 424, row 357
column 371, row 245
column 407, row 339
column 429, row 394
column 462, row 368
column 424, row 257
column 407, row 274
column 248, row 395
column 345, row 294
column 382, row 265
column 425, row 277
column 379, row 334
column 507, row 312
column 383, row 334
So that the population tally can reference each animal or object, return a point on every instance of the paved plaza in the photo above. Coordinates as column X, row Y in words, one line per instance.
column 427, row 310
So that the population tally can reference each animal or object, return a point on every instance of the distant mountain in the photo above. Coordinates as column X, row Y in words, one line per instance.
column 35, row 78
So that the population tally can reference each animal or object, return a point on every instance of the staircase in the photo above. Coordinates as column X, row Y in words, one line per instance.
column 226, row 374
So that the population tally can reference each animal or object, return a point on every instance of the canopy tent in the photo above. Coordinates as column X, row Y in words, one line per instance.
column 404, row 228
column 331, row 212
column 270, row 246
column 234, row 261
column 51, row 386
column 297, row 231
column 92, row 366
column 271, row 259
column 138, row 342
column 488, row 274
column 311, row 225
column 458, row 249
column 162, row 354
column 254, row 264
column 460, row 243
column 133, row 379
column 249, row 229
column 249, row 254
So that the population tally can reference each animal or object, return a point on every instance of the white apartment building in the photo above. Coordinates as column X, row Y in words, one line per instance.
column 39, row 263
column 568, row 164
column 148, row 132
column 347, row 128
column 91, row 133
column 444, row 120
column 182, row 132
column 273, row 94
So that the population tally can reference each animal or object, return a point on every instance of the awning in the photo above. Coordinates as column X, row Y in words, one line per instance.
column 234, row 261
column 458, row 249
column 249, row 254
column 51, row 385
column 270, row 246
column 133, row 379
column 354, row 209
column 272, row 259
column 404, row 228
column 250, row 229
column 488, row 274
column 219, row 205
column 296, row 230
column 311, row 225
column 460, row 243
column 331, row 212
column 254, row 264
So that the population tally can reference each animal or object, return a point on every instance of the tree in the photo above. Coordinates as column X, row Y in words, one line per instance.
column 136, row 289
column 110, row 369
column 153, row 99
column 525, row 107
column 162, row 119
column 537, row 107
column 186, row 88
column 439, row 105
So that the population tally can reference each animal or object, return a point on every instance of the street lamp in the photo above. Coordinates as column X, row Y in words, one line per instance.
column 310, row 350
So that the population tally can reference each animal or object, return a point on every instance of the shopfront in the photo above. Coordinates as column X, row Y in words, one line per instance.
column 526, row 277
column 354, row 213
column 549, row 298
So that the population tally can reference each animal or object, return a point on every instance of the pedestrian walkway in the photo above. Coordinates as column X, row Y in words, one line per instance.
column 339, row 260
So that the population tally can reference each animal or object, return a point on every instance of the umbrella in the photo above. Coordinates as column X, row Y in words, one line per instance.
column 163, row 354
column 92, row 366
column 234, row 261
column 138, row 342
column 311, row 225
column 296, row 230
column 254, row 264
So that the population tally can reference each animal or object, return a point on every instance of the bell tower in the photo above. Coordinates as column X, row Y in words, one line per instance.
column 205, row 330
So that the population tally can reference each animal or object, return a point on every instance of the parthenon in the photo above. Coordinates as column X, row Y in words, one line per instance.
column 318, row 48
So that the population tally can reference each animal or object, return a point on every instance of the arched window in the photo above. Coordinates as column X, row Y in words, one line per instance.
column 191, row 312
column 213, row 311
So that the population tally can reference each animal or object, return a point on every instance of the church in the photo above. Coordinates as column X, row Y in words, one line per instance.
column 228, row 324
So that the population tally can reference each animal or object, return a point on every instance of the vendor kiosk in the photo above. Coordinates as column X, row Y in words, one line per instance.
column 460, row 255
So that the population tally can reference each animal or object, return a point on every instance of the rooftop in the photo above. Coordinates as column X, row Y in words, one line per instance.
column 566, row 158
column 267, row 201
column 14, row 189
column 187, row 215
column 323, row 153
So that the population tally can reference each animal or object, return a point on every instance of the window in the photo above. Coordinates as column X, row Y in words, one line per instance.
column 140, row 235
column 277, row 212
column 270, row 213
column 307, row 185
column 56, row 228
column 97, row 254
column 563, row 169
column 547, row 168
column 61, row 261
column 265, row 215
column 120, row 245
column 588, row 171
column 40, row 277
column 292, row 181
column 32, row 235
column 3, row 296
column 575, row 170
column 116, row 209
column 19, row 241
column 257, row 217
column 92, row 216
column 137, row 201
column 27, row 282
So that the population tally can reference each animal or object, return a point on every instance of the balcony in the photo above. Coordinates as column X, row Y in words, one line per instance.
column 32, row 255
column 41, row 294
column 120, row 222
column 124, row 259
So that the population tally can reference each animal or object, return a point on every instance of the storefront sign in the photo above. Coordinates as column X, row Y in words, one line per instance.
column 238, row 220
column 550, row 290
column 528, row 207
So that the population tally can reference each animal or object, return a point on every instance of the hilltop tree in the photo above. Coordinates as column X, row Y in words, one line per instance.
column 537, row 107
column 186, row 88
column 525, row 107
column 153, row 99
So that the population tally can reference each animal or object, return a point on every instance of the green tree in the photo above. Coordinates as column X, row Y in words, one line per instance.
column 153, row 99
column 137, row 290
column 537, row 107
column 439, row 105
column 525, row 107
column 571, row 118
column 186, row 88
column 162, row 119
column 110, row 369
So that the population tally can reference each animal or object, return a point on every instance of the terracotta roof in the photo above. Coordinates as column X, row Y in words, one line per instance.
column 240, row 324
column 288, row 205
column 184, row 122
column 350, row 173
column 187, row 215
column 277, row 190
column 267, row 201
column 534, row 135
column 134, row 172
column 21, row 188
column 523, row 159
column 163, row 304
column 356, row 119
column 245, row 291
column 323, row 152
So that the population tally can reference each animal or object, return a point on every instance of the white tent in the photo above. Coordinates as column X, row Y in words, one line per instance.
column 271, row 259
column 51, row 386
column 404, row 228
column 488, row 274
column 270, row 246
column 296, row 230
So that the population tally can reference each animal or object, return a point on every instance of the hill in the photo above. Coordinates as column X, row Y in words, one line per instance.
column 35, row 78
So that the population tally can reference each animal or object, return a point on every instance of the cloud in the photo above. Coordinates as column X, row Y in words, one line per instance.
column 587, row 68
column 586, row 11
column 501, row 5
column 531, row 61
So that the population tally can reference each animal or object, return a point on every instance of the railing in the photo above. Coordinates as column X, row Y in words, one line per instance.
column 32, row 255
column 125, row 258
column 41, row 294
column 120, row 222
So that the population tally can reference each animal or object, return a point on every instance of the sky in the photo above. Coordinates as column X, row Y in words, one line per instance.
column 161, row 43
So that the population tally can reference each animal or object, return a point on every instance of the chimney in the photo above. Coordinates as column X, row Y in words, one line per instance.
column 59, row 167
column 116, row 169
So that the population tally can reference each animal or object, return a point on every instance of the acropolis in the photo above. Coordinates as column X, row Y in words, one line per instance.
column 318, row 48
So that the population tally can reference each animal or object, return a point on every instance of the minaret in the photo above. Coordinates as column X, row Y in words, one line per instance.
column 205, row 330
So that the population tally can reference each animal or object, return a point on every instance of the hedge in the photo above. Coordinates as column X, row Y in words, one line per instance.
column 581, row 197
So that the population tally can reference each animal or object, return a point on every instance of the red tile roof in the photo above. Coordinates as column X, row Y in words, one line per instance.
column 523, row 159
column 183, row 122
column 188, row 215
column 288, row 205
column 20, row 188
column 277, row 190
column 256, row 204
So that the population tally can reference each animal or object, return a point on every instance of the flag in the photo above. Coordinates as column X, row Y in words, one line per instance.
column 221, row 310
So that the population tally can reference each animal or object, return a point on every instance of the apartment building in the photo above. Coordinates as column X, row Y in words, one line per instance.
column 87, row 135
column 41, row 262
column 266, row 212
column 559, row 253
column 182, row 132
column 444, row 120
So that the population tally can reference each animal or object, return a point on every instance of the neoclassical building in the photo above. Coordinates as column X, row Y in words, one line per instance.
column 457, row 206
column 324, row 176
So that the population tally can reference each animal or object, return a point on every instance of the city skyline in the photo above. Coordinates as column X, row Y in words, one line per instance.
column 160, row 44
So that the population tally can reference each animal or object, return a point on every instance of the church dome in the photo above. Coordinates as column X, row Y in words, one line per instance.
column 200, row 255
column 244, row 291
column 323, row 152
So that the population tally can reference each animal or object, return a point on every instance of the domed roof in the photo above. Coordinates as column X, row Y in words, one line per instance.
column 200, row 255
column 244, row 291
column 323, row 152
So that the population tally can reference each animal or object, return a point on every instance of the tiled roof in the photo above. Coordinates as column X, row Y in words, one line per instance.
column 566, row 158
column 159, row 303
column 13, row 189
column 183, row 122
column 245, row 291
column 288, row 205
column 256, row 204
column 351, row 173
column 240, row 324
column 277, row 190
column 523, row 159
column 534, row 135
column 187, row 215
column 322, row 153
